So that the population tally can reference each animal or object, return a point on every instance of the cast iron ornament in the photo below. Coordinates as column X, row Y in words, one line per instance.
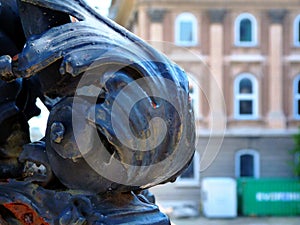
column 120, row 118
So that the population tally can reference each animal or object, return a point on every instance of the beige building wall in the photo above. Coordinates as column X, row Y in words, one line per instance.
column 273, row 61
column 215, row 60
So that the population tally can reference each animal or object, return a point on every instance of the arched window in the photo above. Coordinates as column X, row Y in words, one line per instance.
column 247, row 163
column 245, row 30
column 245, row 97
column 296, row 90
column 186, row 29
column 297, row 31
column 191, row 176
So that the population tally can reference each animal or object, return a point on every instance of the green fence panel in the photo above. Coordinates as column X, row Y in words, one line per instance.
column 268, row 197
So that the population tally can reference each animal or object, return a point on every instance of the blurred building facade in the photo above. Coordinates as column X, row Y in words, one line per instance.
column 243, row 61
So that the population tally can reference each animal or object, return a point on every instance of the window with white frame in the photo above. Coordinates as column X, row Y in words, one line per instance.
column 186, row 29
column 191, row 176
column 296, row 90
column 297, row 31
column 245, row 97
column 245, row 30
column 247, row 163
column 194, row 96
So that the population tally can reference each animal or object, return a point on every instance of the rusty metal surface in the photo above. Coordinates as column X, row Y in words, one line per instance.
column 32, row 204
column 105, row 89
column 24, row 213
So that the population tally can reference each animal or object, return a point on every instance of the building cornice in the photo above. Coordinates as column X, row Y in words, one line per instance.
column 246, row 133
column 245, row 58
column 224, row 4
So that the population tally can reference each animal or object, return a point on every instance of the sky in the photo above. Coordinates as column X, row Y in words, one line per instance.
column 100, row 5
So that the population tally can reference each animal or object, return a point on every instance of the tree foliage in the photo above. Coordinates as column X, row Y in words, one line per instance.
column 296, row 153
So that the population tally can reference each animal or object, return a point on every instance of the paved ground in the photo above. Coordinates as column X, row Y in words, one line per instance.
column 239, row 221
